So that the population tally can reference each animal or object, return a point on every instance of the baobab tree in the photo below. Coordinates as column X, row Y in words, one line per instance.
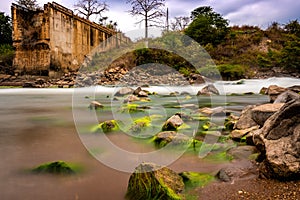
column 90, row 7
column 150, row 10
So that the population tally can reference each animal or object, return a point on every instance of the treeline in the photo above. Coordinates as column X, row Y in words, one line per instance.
column 238, row 51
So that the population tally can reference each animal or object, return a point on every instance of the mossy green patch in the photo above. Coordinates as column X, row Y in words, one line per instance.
column 131, row 108
column 106, row 127
column 196, row 179
column 57, row 167
column 219, row 157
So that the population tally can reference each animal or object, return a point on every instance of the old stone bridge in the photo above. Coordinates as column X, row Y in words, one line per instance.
column 54, row 40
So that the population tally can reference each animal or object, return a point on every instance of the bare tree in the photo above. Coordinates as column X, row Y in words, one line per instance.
column 180, row 23
column 91, row 7
column 150, row 10
column 29, row 4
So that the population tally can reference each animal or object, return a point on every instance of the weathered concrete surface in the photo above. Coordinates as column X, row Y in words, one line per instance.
column 54, row 39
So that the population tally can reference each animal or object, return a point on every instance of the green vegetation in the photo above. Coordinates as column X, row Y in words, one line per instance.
column 207, row 27
column 6, row 49
column 195, row 179
column 57, row 167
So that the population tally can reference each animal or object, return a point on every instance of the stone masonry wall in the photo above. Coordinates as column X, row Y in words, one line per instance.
column 53, row 40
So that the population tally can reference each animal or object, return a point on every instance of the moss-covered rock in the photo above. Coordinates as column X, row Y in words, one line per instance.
column 195, row 179
column 57, row 167
column 166, row 137
column 153, row 182
column 109, row 126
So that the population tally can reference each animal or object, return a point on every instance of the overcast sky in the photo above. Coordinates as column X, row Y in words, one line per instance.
column 239, row 12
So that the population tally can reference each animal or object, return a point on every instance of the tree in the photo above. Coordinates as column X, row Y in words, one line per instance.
column 5, row 29
column 29, row 4
column 207, row 26
column 91, row 7
column 293, row 27
column 180, row 23
column 150, row 10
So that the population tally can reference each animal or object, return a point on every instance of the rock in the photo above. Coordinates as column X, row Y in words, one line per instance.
column 223, row 176
column 230, row 122
column 150, row 181
column 195, row 179
column 212, row 111
column 57, row 167
column 165, row 137
column 109, row 126
column 210, row 89
column 95, row 105
column 279, row 144
column 286, row 97
column 124, row 91
column 261, row 113
column 140, row 93
column 263, row 90
column 172, row 123
column 242, row 152
column 196, row 79
column 238, row 134
column 29, row 85
column 274, row 91
column 245, row 121
column 295, row 88
column 131, row 98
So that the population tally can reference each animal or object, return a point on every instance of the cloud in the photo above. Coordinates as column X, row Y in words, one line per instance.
column 238, row 12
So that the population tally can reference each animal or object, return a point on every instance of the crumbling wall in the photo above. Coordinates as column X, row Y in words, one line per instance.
column 53, row 39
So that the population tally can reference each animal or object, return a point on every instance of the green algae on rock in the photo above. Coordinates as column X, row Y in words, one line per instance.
column 164, row 138
column 56, row 167
column 106, row 126
column 195, row 179
column 153, row 182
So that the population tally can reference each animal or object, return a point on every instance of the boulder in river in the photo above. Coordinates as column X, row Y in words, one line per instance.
column 274, row 91
column 150, row 181
column 261, row 113
column 95, row 105
column 57, row 167
column 245, row 121
column 210, row 89
column 286, row 97
column 279, row 144
column 165, row 137
column 124, row 91
column 172, row 123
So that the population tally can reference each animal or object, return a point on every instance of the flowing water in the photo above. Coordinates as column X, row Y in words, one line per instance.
column 37, row 126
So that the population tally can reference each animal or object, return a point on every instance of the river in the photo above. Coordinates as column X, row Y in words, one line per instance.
column 37, row 126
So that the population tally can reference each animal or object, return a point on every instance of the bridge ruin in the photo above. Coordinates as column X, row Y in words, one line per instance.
column 54, row 40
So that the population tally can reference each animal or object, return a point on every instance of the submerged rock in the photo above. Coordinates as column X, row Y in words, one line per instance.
column 279, row 144
column 165, row 137
column 95, row 105
column 196, row 179
column 153, row 182
column 57, row 167
column 109, row 126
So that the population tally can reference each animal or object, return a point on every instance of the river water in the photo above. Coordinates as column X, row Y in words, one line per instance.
column 37, row 126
